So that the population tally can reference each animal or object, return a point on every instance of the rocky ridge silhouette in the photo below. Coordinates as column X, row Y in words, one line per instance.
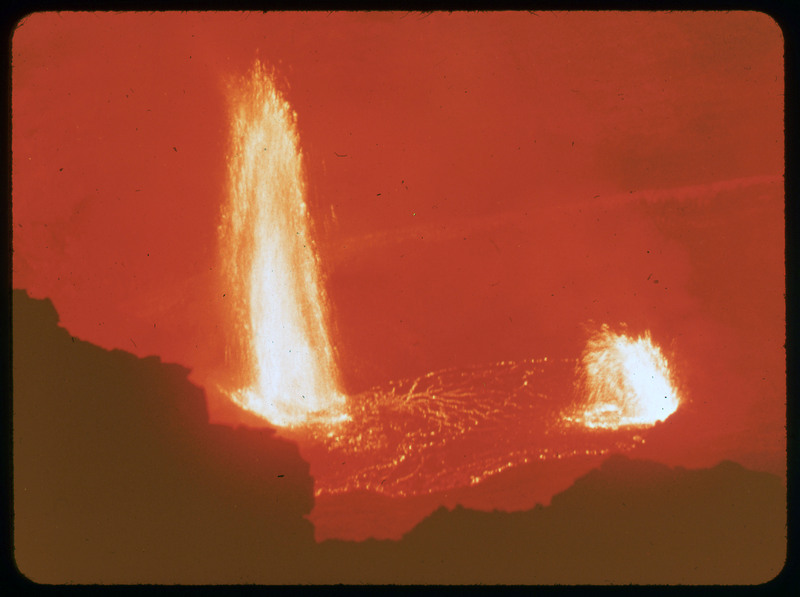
column 119, row 478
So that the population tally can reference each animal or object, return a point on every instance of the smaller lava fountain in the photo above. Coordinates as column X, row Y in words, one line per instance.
column 626, row 382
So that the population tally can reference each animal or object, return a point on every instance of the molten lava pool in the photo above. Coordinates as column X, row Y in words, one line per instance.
column 451, row 429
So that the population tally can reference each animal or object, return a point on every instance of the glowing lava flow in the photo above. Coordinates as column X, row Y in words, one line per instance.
column 451, row 429
column 285, row 354
column 626, row 382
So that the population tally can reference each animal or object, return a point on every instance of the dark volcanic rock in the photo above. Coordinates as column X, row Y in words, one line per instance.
column 119, row 477
column 630, row 521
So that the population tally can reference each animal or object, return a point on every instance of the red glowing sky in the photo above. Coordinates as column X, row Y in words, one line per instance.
column 462, row 173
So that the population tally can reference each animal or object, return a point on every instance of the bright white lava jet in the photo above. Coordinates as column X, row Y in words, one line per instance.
column 626, row 382
column 285, row 352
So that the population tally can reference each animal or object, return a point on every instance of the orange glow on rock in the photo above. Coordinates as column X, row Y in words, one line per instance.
column 283, row 352
column 625, row 381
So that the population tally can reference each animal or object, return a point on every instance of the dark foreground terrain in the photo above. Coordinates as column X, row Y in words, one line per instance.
column 119, row 478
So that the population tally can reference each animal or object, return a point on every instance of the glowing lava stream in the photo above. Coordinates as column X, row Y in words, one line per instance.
column 625, row 381
column 285, row 355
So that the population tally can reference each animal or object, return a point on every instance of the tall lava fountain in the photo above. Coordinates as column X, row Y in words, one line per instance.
column 287, row 371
